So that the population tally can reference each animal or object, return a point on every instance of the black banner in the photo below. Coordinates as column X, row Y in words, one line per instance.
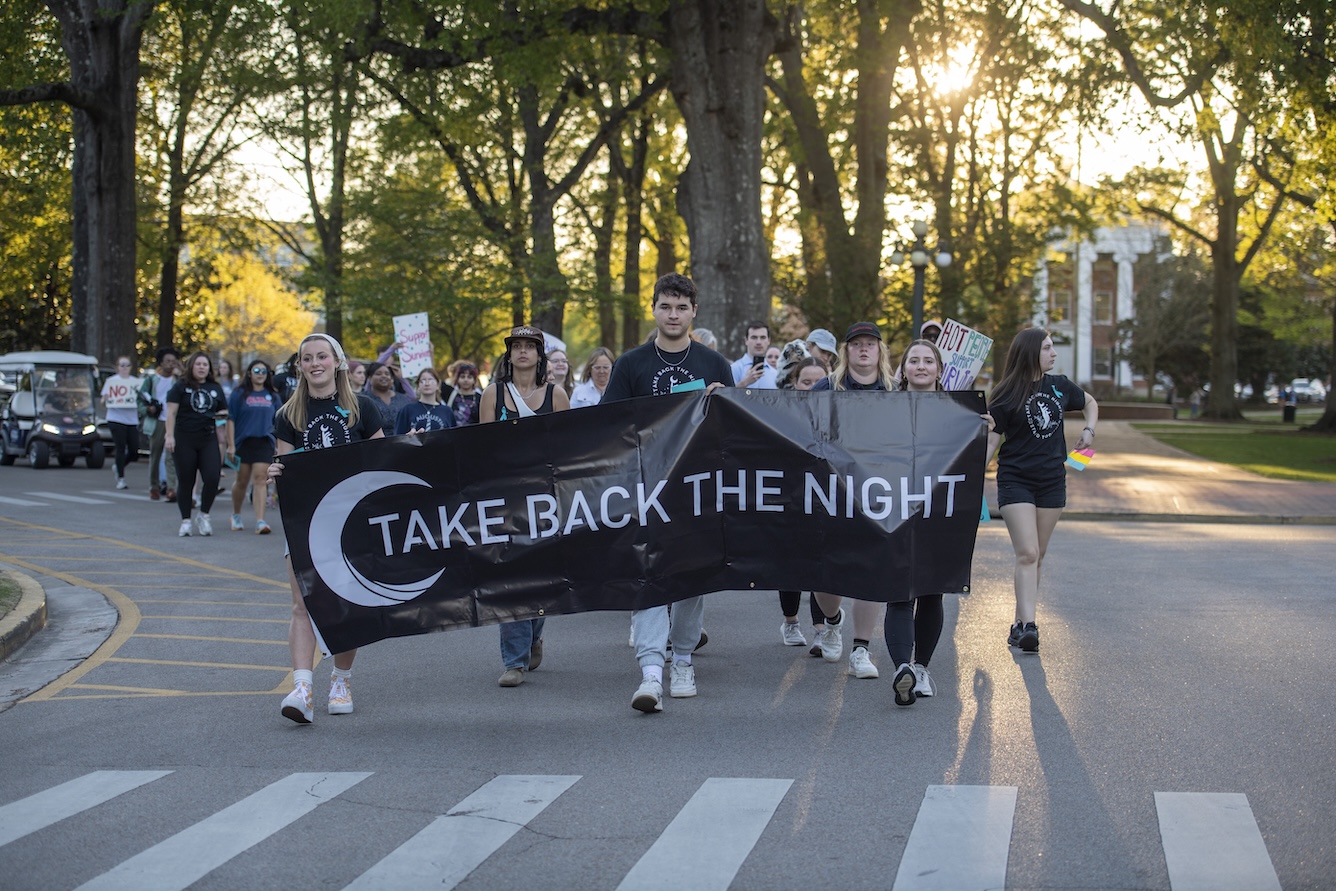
column 636, row 504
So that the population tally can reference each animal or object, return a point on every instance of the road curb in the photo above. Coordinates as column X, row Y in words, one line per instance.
column 26, row 619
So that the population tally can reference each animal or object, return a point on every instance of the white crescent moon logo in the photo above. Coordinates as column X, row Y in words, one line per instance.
column 326, row 533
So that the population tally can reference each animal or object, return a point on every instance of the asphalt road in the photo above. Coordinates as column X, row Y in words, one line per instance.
column 1176, row 730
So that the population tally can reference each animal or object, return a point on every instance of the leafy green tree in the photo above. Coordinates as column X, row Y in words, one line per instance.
column 1168, row 334
column 101, row 41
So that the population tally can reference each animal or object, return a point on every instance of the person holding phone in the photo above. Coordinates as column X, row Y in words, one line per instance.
column 752, row 370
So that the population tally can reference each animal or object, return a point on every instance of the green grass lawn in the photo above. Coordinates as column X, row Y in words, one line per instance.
column 9, row 596
column 1260, row 444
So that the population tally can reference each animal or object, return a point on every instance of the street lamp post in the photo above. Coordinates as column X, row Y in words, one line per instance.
column 918, row 258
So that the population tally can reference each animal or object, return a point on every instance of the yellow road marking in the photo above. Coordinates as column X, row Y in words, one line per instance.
column 185, row 664
column 218, row 619
column 237, row 640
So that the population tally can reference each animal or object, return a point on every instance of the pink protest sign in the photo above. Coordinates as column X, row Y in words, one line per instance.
column 415, row 353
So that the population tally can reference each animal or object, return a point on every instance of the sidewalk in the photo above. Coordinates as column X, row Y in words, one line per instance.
column 1136, row 477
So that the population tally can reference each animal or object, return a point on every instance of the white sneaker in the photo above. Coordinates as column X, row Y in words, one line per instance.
column 923, row 684
column 340, row 696
column 120, row 483
column 682, row 680
column 297, row 705
column 792, row 635
column 860, row 664
column 649, row 696
column 831, row 640
column 237, row 525
column 184, row 531
column 904, row 684
column 204, row 524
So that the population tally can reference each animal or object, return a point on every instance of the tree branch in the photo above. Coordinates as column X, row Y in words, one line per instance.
column 50, row 92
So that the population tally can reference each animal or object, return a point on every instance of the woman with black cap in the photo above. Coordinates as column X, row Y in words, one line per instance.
column 521, row 390
column 323, row 412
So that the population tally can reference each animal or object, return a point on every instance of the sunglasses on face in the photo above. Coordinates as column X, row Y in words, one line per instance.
column 259, row 371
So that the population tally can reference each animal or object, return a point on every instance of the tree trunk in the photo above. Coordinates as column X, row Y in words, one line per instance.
column 103, row 48
column 604, row 233
column 1225, row 274
column 173, row 239
column 720, row 49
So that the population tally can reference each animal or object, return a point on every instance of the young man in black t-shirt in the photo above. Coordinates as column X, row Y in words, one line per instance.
column 669, row 363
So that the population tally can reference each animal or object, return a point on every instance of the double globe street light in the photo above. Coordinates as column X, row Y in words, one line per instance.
column 918, row 258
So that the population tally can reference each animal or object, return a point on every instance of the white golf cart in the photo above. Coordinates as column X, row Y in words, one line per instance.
column 51, row 412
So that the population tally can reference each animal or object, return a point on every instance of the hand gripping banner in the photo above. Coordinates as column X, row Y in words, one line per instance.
column 636, row 504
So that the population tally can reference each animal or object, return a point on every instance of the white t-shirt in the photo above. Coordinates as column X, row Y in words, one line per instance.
column 120, row 394
column 585, row 394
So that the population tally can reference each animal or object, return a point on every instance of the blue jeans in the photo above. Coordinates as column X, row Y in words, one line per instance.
column 517, row 638
column 653, row 629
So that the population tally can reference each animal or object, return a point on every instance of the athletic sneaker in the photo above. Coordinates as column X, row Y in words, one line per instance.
column 204, row 523
column 297, row 705
column 1029, row 638
column 831, row 640
column 904, row 684
column 120, row 483
column 649, row 696
column 184, row 531
column 682, row 680
column 816, row 640
column 860, row 664
column 262, row 528
column 1014, row 635
column 340, row 696
column 792, row 635
column 237, row 525
column 923, row 683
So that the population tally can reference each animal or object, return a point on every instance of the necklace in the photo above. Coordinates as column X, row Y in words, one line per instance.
column 525, row 396
column 665, row 361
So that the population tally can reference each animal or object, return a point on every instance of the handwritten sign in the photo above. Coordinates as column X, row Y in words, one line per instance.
column 415, row 354
column 964, row 352
column 121, row 392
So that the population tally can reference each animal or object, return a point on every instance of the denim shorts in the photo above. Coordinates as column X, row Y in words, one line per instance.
column 1050, row 493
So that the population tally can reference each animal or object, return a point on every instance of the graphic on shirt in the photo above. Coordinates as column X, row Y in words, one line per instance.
column 427, row 420
column 670, row 377
column 327, row 429
column 201, row 401
column 1043, row 413
column 258, row 399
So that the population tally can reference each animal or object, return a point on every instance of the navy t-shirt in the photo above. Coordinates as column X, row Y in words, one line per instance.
column 252, row 412
column 327, row 424
column 647, row 370
column 421, row 416
column 197, row 407
column 1033, row 445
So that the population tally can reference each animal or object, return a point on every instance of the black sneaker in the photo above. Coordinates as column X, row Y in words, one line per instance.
column 1014, row 637
column 1029, row 639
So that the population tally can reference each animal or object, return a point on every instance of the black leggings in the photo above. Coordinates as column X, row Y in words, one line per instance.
column 912, row 629
column 789, row 601
column 125, row 443
column 196, row 453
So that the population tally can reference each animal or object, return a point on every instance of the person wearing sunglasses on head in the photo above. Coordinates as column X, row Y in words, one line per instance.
column 250, row 440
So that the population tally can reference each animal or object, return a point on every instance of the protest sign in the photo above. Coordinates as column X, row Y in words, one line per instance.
column 638, row 503
column 415, row 353
column 964, row 352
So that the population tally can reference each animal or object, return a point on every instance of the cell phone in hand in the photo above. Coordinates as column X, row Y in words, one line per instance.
column 758, row 361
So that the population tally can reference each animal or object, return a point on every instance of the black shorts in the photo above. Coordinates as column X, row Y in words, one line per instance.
column 255, row 450
column 1049, row 493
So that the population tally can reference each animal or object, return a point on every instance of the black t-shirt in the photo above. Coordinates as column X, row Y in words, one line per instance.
column 650, row 371
column 849, row 384
column 197, row 407
column 327, row 424
column 1034, row 447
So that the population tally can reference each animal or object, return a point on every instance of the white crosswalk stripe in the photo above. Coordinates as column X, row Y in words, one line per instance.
column 442, row 855
column 960, row 840
column 73, row 499
column 60, row 802
column 22, row 502
column 1212, row 843
column 127, row 496
column 188, row 856
column 711, row 836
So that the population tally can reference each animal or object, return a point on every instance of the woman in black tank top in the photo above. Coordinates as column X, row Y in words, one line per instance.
column 521, row 374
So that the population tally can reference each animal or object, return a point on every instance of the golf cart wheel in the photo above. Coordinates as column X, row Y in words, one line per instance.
column 39, row 454
column 97, row 456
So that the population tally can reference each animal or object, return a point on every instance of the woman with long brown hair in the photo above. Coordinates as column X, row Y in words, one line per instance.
column 1028, row 405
